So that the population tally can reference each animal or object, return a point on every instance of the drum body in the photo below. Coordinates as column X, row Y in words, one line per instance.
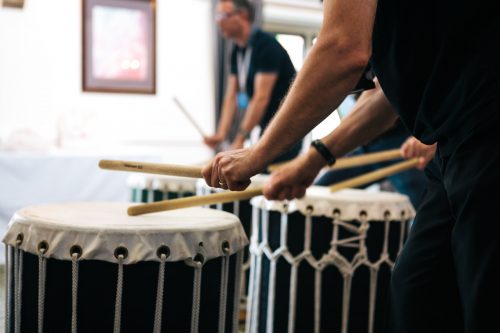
column 326, row 259
column 150, row 188
column 243, row 209
column 88, row 267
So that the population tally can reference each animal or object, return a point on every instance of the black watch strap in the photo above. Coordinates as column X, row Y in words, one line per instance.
column 323, row 151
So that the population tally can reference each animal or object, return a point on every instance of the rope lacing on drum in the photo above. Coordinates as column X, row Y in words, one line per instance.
column 254, row 240
column 246, row 264
column 74, row 291
column 260, row 248
column 75, row 252
column 18, row 280
column 42, row 271
column 256, row 267
column 272, row 274
column 159, row 294
column 292, row 303
column 237, row 290
column 223, row 287
column 8, row 294
column 120, row 256
column 197, row 263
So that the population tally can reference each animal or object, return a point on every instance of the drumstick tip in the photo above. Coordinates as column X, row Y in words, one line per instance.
column 132, row 212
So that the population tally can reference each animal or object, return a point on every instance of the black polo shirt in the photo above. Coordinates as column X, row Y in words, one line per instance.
column 438, row 62
column 268, row 56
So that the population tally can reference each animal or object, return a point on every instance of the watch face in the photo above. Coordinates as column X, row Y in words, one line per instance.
column 323, row 151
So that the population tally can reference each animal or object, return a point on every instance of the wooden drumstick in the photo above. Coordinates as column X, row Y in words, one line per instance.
column 354, row 161
column 369, row 158
column 375, row 175
column 188, row 116
column 156, row 168
column 193, row 201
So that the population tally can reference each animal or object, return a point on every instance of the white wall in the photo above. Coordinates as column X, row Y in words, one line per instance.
column 40, row 79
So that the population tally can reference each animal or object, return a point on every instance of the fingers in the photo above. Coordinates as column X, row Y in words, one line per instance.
column 223, row 172
column 206, row 172
column 422, row 162
column 408, row 148
column 280, row 191
column 414, row 148
column 284, row 193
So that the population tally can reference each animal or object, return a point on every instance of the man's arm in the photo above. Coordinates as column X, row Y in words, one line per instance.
column 371, row 116
column 331, row 70
column 227, row 114
column 263, row 89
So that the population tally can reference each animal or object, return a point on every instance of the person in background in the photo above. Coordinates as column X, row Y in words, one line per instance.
column 410, row 182
column 261, row 74
column 441, row 79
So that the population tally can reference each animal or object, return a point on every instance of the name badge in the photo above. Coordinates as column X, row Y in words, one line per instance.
column 242, row 100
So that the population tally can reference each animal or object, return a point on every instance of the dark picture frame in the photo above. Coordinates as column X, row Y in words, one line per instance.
column 119, row 46
column 12, row 3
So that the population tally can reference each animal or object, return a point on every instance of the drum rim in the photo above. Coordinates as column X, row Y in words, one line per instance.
column 142, row 244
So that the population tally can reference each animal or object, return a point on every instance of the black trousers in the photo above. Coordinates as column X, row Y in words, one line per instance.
column 447, row 278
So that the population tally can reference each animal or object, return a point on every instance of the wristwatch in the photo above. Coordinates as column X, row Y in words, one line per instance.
column 324, row 151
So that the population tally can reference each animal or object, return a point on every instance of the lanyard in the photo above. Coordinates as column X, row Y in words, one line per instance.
column 243, row 67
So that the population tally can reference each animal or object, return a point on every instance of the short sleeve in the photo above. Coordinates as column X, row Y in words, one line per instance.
column 269, row 59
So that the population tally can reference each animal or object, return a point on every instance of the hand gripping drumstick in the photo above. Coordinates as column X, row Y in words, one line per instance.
column 195, row 171
column 229, row 196
column 188, row 116
column 353, row 161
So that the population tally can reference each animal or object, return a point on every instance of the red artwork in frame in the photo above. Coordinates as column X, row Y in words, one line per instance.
column 118, row 46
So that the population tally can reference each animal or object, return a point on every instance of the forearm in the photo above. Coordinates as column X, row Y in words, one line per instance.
column 227, row 116
column 317, row 91
column 366, row 121
column 253, row 116
column 228, row 108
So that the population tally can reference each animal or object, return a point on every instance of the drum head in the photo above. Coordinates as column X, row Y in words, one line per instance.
column 100, row 228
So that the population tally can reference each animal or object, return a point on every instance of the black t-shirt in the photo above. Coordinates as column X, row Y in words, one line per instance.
column 438, row 62
column 268, row 56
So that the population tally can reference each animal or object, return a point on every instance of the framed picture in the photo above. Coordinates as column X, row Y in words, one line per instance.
column 118, row 38
column 12, row 3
